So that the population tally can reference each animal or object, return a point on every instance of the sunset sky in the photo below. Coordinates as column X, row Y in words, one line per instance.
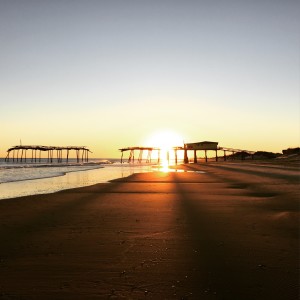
column 111, row 74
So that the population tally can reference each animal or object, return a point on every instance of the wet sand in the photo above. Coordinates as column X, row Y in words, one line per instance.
column 229, row 233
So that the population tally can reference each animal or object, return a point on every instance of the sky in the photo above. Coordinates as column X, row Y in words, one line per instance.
column 113, row 74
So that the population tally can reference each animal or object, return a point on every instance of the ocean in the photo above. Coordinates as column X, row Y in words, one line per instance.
column 22, row 179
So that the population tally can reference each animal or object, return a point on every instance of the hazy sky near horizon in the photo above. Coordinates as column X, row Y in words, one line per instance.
column 108, row 74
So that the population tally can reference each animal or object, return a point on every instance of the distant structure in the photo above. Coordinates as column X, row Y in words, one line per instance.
column 37, row 150
column 206, row 145
column 198, row 146
column 149, row 154
column 140, row 156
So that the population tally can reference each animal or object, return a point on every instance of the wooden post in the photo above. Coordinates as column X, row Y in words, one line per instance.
column 130, row 156
column 140, row 156
column 18, row 155
column 25, row 155
column 195, row 156
column 40, row 156
column 67, row 155
column 14, row 155
column 216, row 155
column 121, row 157
column 175, row 156
column 158, row 158
column 186, row 159
column 82, row 155
column 205, row 155
column 224, row 155
column 22, row 155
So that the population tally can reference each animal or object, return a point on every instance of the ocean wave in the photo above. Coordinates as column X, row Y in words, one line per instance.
column 19, row 165
column 25, row 173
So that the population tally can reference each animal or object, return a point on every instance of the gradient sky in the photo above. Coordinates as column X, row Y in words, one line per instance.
column 109, row 74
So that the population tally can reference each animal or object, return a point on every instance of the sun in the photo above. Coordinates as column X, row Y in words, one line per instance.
column 165, row 140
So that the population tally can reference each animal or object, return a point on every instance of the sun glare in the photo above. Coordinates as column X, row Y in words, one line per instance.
column 165, row 140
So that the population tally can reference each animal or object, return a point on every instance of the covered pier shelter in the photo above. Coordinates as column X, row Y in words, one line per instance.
column 211, row 146
column 205, row 146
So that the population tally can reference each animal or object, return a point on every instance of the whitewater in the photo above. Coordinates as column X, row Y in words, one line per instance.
column 23, row 179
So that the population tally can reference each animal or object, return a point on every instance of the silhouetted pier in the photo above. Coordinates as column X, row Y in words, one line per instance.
column 212, row 146
column 141, row 151
column 194, row 147
column 19, row 153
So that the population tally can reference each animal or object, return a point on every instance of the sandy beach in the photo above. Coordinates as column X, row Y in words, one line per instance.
column 229, row 233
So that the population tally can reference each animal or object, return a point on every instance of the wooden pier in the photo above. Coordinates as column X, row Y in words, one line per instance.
column 19, row 153
column 140, row 156
column 212, row 146
column 194, row 147
column 149, row 150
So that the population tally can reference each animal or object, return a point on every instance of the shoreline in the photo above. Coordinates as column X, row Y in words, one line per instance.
column 68, row 180
column 229, row 233
column 286, row 164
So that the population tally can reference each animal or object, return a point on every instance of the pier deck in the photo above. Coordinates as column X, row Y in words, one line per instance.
column 36, row 151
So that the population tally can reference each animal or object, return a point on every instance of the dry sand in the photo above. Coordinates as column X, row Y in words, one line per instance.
column 230, row 233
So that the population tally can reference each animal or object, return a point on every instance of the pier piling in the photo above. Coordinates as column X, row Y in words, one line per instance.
column 37, row 150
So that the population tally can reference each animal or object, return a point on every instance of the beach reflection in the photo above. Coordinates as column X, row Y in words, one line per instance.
column 69, row 180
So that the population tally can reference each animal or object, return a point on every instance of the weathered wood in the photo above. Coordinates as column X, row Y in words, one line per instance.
column 186, row 159
column 195, row 156
column 206, row 146
column 48, row 149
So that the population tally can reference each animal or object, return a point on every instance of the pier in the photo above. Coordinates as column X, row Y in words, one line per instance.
column 140, row 155
column 188, row 147
column 19, row 153
column 212, row 146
